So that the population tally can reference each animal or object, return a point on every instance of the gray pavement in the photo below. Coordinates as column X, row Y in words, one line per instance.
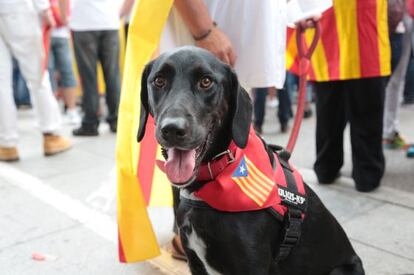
column 64, row 206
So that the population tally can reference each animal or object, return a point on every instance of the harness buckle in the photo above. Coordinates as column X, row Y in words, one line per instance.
column 231, row 159
column 292, row 233
column 228, row 152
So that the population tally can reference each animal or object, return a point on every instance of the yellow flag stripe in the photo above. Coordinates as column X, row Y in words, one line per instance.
column 257, row 183
column 259, row 180
column 291, row 52
column 251, row 188
column 319, row 63
column 242, row 186
column 347, row 30
column 161, row 194
column 135, row 231
column 252, row 168
column 383, row 39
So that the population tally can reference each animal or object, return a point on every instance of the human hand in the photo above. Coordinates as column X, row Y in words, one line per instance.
column 308, row 22
column 220, row 45
column 47, row 18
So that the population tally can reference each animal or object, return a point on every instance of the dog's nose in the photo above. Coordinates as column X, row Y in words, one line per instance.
column 174, row 128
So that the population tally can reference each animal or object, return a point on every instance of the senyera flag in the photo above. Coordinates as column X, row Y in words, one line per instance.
column 137, row 240
column 354, row 42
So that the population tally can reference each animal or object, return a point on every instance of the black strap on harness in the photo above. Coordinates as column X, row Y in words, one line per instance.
column 295, row 203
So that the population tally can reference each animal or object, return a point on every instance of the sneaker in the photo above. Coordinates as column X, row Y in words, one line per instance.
column 410, row 151
column 85, row 131
column 397, row 142
column 72, row 117
column 8, row 154
column 55, row 144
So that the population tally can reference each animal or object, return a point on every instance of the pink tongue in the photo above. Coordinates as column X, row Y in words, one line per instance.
column 180, row 165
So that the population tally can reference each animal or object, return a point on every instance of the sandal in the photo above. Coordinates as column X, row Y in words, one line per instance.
column 177, row 251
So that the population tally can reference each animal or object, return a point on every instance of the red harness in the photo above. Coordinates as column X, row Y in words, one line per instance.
column 245, row 180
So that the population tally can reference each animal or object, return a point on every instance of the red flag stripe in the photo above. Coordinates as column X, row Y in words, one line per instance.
column 330, row 43
column 147, row 155
column 366, row 16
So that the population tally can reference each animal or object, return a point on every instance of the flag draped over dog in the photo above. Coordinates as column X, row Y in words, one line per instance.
column 137, row 240
column 354, row 42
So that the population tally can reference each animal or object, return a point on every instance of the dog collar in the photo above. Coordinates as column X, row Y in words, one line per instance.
column 210, row 170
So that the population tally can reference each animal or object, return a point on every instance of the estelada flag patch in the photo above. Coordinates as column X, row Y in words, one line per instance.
column 252, row 182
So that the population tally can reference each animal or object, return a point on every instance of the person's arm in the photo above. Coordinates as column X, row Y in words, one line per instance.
column 126, row 8
column 63, row 9
column 204, row 31
column 43, row 8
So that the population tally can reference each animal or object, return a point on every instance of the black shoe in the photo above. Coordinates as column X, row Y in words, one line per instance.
column 307, row 113
column 325, row 180
column 284, row 127
column 258, row 129
column 366, row 187
column 85, row 131
column 113, row 127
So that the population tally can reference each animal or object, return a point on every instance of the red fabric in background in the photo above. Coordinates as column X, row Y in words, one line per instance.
column 410, row 7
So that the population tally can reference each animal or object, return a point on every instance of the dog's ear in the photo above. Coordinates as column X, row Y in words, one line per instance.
column 242, row 111
column 144, row 102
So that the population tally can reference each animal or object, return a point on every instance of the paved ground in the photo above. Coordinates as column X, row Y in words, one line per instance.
column 64, row 206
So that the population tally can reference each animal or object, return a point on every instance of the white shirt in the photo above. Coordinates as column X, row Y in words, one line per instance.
column 61, row 32
column 95, row 15
column 7, row 6
column 257, row 30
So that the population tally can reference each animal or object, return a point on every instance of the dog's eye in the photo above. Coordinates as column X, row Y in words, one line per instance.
column 205, row 83
column 160, row 82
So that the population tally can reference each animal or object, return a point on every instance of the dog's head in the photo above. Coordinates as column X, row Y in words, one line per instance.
column 198, row 108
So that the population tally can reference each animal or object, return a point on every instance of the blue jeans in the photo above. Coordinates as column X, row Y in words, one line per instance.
column 396, row 44
column 60, row 60
column 284, row 112
column 20, row 90
column 91, row 47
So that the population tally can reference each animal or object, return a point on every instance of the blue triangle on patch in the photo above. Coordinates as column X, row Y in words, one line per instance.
column 241, row 170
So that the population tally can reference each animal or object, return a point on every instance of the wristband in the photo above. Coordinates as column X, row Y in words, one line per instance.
column 206, row 34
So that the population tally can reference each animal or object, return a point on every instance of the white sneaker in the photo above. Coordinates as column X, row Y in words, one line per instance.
column 72, row 117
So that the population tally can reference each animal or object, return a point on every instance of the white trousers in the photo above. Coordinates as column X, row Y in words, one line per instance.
column 20, row 37
column 396, row 84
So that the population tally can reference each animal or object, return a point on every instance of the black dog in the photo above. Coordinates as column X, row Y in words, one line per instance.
column 199, row 108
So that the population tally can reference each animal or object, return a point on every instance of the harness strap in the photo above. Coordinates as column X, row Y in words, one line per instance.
column 295, row 203
column 296, row 208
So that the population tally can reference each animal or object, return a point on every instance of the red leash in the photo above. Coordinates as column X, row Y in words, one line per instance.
column 304, row 56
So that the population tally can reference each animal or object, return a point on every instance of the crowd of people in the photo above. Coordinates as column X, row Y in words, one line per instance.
column 348, row 85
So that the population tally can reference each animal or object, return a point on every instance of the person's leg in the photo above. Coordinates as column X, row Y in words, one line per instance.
column 394, row 90
column 330, row 124
column 259, row 106
column 365, row 103
column 8, row 117
column 285, row 109
column 20, row 91
column 86, row 53
column 307, row 113
column 51, row 66
column 109, row 57
column 27, row 47
column 409, row 87
column 67, row 83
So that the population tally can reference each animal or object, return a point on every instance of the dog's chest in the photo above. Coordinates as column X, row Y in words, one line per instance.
column 196, row 243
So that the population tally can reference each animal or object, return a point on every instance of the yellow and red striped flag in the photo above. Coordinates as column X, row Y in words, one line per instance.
column 354, row 42
column 137, row 240
column 252, row 182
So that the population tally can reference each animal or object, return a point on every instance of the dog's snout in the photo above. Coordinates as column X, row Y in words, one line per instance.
column 174, row 128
